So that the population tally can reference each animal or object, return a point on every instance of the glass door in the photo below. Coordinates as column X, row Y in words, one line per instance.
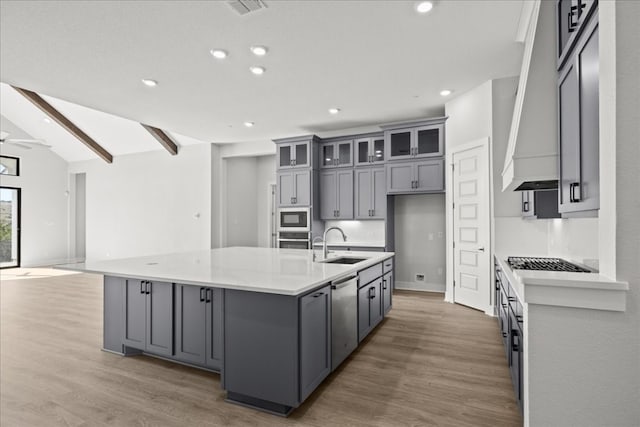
column 9, row 227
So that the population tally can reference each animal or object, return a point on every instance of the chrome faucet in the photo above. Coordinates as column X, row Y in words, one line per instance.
column 324, row 247
column 313, row 247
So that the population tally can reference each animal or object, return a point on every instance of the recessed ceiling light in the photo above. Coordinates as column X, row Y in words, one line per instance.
column 334, row 110
column 218, row 53
column 150, row 82
column 46, row 120
column 259, row 50
column 424, row 6
column 257, row 70
column 445, row 92
column 249, row 124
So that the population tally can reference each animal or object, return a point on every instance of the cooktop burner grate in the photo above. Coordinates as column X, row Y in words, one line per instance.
column 544, row 264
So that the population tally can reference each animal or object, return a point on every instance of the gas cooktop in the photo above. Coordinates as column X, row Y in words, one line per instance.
column 544, row 264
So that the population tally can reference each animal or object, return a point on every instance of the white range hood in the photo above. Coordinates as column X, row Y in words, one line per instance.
column 531, row 161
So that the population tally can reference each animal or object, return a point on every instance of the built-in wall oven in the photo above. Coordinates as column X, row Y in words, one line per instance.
column 294, row 228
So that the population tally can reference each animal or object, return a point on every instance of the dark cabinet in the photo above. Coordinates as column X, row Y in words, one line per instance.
column 315, row 340
column 421, row 141
column 426, row 176
column 294, row 188
column 369, row 307
column 148, row 316
column 572, row 15
column 578, row 98
column 336, row 154
column 336, row 194
column 198, row 325
column 369, row 151
column 387, row 291
column 370, row 193
column 540, row 204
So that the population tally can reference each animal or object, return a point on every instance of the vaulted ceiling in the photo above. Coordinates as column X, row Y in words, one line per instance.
column 378, row 61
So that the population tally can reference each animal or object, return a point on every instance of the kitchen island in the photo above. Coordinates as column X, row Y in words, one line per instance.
column 261, row 317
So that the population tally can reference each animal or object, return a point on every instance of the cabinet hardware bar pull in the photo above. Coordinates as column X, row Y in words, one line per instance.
column 148, row 287
column 525, row 206
column 514, row 346
column 384, row 283
column 201, row 294
column 208, row 295
column 319, row 294
column 141, row 288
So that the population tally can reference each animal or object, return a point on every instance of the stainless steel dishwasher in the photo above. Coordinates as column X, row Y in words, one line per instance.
column 344, row 319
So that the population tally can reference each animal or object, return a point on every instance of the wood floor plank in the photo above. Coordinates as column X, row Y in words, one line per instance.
column 429, row 363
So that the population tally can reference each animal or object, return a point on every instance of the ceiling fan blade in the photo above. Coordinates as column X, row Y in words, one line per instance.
column 30, row 142
column 18, row 144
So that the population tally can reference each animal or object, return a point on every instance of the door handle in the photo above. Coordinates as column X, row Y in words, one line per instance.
column 480, row 249
column 202, row 291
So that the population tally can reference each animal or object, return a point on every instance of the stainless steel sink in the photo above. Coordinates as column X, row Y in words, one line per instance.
column 344, row 260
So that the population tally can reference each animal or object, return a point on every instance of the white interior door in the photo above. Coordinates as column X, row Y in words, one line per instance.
column 471, row 227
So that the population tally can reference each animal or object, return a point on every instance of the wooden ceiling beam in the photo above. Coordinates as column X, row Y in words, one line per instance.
column 163, row 138
column 67, row 124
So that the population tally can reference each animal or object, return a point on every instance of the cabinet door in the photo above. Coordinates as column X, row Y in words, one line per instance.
column 429, row 175
column 515, row 345
column 399, row 178
column 160, row 318
column 363, row 151
column 377, row 150
column 363, row 202
column 135, row 313
column 387, row 287
column 344, row 194
column 344, row 153
column 328, row 197
column 429, row 141
column 327, row 151
column 379, row 194
column 588, row 66
column 213, row 329
column 190, row 312
column 364, row 323
column 567, row 21
column 375, row 302
column 568, row 121
column 399, row 144
column 315, row 340
column 285, row 156
column 302, row 188
column 527, row 206
column 301, row 154
column 285, row 189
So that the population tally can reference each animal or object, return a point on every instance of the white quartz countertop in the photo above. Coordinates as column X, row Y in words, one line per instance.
column 560, row 288
column 276, row 271
column 352, row 244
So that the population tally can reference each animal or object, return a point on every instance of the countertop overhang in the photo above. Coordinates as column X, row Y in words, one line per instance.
column 564, row 289
column 276, row 271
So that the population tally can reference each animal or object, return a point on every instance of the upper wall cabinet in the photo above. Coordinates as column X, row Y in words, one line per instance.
column 426, row 176
column 299, row 152
column 336, row 154
column 369, row 150
column 415, row 140
column 578, row 121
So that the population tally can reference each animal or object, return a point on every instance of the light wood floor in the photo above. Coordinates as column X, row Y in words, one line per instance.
column 428, row 363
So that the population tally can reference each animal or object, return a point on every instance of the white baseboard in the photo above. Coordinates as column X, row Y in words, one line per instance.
column 420, row 286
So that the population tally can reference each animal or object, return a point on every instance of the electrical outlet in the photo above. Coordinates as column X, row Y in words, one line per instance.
column 420, row 277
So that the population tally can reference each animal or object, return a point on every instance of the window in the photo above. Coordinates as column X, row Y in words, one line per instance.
column 9, row 166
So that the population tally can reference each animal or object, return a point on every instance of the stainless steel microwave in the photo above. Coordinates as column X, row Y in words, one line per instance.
column 294, row 219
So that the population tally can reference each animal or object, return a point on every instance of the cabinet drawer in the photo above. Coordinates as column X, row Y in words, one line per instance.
column 369, row 274
column 387, row 265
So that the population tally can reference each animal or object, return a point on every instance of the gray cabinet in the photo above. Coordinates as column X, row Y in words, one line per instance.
column 198, row 325
column 578, row 97
column 369, row 150
column 315, row 340
column 387, row 291
column 370, row 193
column 336, row 194
column 426, row 176
column 540, row 204
column 571, row 18
column 294, row 155
column 336, row 154
column 148, row 316
column 294, row 188
column 369, row 307
column 415, row 142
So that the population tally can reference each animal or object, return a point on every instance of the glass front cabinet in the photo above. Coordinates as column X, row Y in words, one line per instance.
column 336, row 154
column 425, row 139
column 369, row 150
column 294, row 155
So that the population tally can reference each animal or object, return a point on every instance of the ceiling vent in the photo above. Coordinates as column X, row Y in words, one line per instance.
column 245, row 6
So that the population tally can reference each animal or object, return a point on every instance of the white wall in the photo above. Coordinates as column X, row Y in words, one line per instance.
column 241, row 202
column 420, row 241
column 45, row 203
column 148, row 203
column 469, row 116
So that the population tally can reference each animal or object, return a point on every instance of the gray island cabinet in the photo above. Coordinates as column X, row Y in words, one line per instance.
column 261, row 317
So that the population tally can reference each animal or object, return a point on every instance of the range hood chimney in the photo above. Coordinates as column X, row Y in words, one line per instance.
column 531, row 162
